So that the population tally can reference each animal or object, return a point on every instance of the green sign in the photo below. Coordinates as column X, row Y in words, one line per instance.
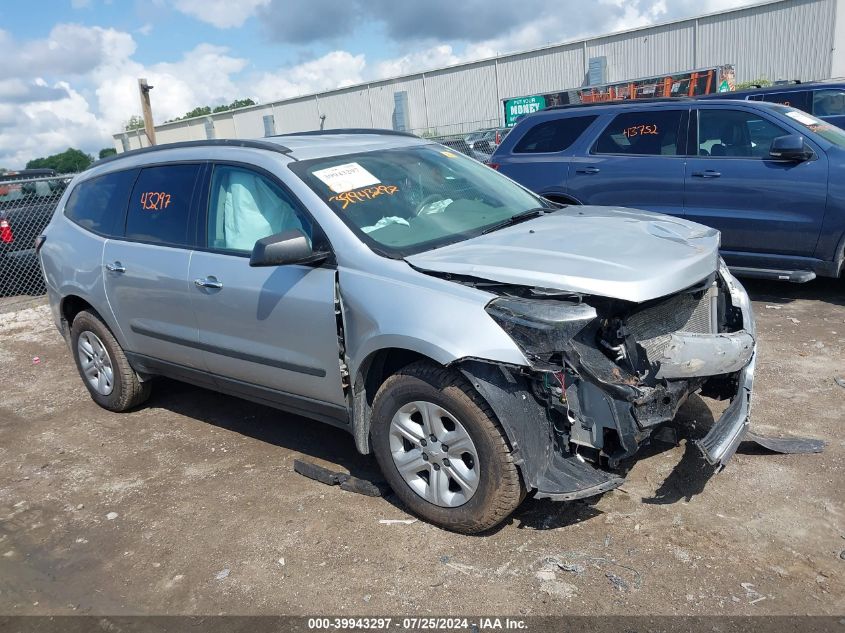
column 516, row 108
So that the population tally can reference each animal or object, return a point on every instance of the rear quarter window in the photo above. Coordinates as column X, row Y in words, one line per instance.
column 553, row 136
column 655, row 133
column 99, row 204
column 801, row 99
column 160, row 206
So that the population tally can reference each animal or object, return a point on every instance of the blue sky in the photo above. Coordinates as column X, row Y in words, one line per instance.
column 71, row 66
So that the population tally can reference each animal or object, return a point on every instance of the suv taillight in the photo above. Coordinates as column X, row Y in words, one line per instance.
column 493, row 166
column 6, row 235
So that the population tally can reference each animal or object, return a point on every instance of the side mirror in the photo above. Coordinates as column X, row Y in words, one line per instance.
column 287, row 247
column 790, row 147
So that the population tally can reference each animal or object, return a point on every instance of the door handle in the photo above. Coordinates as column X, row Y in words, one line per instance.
column 208, row 282
column 707, row 173
column 115, row 267
column 588, row 170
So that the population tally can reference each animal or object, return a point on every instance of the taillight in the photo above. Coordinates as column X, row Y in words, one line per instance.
column 6, row 235
column 498, row 137
column 493, row 166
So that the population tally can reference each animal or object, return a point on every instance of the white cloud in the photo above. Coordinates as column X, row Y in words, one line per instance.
column 332, row 70
column 435, row 57
column 80, row 4
column 224, row 14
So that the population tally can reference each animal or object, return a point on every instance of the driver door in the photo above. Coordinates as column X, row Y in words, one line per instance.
column 759, row 204
column 269, row 333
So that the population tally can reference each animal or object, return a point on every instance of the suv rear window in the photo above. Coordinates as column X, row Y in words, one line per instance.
column 98, row 204
column 553, row 136
column 161, row 203
column 653, row 133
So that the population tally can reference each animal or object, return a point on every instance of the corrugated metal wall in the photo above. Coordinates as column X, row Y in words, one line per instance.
column 781, row 39
column 653, row 51
column 788, row 40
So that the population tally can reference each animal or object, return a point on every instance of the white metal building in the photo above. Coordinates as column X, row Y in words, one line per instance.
column 777, row 39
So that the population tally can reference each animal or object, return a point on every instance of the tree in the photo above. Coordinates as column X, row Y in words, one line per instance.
column 67, row 162
column 754, row 83
column 200, row 111
column 135, row 122
column 106, row 152
column 237, row 103
column 206, row 110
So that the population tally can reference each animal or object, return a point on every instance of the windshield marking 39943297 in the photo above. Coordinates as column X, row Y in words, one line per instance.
column 407, row 200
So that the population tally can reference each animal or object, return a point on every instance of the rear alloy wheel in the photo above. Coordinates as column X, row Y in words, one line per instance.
column 103, row 366
column 442, row 450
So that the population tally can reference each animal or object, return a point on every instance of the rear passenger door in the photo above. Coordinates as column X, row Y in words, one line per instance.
column 268, row 332
column 637, row 161
column 146, row 272
column 759, row 204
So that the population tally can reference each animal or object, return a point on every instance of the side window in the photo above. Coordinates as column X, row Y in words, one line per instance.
column 99, row 204
column 160, row 206
column 829, row 102
column 553, row 136
column 735, row 133
column 654, row 133
column 801, row 99
column 245, row 206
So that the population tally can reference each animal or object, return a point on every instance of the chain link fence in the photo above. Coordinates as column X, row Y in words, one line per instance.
column 26, row 206
column 477, row 140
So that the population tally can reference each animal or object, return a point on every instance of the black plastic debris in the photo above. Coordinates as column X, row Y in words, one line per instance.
column 787, row 445
column 345, row 481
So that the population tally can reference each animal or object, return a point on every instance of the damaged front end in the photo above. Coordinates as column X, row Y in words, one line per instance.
column 605, row 374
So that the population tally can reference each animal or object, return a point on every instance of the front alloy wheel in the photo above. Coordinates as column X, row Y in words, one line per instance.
column 442, row 450
column 434, row 454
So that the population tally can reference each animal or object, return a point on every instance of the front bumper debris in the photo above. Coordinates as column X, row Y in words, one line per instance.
column 689, row 355
column 552, row 473
column 721, row 442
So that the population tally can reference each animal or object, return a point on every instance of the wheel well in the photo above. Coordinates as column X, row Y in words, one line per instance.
column 560, row 198
column 384, row 364
column 73, row 305
column 375, row 369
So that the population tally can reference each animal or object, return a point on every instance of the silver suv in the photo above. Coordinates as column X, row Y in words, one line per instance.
column 481, row 341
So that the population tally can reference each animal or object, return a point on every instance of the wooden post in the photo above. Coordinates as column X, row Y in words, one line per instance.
column 144, row 88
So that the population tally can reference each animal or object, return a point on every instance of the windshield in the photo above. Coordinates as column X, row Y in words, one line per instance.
column 407, row 200
column 826, row 130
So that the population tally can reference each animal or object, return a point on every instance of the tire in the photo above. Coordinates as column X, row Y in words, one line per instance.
column 452, row 404
column 120, row 389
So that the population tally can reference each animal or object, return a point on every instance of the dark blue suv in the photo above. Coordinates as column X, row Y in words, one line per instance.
column 825, row 99
column 770, row 177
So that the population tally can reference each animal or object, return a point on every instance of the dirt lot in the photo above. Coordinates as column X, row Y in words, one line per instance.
column 191, row 505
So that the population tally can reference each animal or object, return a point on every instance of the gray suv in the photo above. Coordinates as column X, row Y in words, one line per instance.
column 481, row 341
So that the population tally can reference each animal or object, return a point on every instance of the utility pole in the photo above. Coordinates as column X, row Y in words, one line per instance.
column 144, row 88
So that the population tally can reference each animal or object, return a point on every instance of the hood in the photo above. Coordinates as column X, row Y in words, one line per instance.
column 607, row 251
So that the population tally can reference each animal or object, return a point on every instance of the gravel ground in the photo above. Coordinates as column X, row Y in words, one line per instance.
column 190, row 505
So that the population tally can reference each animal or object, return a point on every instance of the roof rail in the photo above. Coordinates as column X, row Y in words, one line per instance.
column 349, row 130
column 618, row 102
column 219, row 142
